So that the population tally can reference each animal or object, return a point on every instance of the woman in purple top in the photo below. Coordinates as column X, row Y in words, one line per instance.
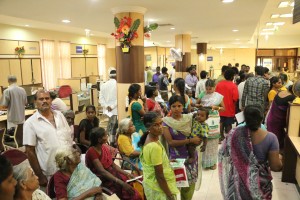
column 246, row 158
column 175, row 131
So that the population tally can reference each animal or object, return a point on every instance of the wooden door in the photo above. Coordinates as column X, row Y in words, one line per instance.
column 91, row 66
column 36, row 70
column 4, row 72
column 78, row 67
column 26, row 71
column 15, row 69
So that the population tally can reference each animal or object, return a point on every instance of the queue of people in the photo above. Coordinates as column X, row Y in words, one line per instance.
column 152, row 136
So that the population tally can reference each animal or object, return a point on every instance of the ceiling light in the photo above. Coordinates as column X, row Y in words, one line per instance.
column 235, row 30
column 267, row 33
column 227, row 1
column 269, row 29
column 87, row 32
column 65, row 21
column 172, row 28
column 286, row 15
column 292, row 4
column 269, row 24
column 26, row 25
column 283, row 4
column 278, row 23
column 274, row 16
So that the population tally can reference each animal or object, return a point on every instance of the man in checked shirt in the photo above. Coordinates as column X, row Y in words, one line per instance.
column 256, row 90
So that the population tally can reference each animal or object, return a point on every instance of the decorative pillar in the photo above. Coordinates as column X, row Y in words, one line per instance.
column 201, row 51
column 130, row 65
column 183, row 42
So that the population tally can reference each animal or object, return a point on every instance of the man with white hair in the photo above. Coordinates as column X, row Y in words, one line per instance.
column 14, row 99
column 108, row 101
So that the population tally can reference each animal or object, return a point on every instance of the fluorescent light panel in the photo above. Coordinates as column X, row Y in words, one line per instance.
column 227, row 1
column 235, row 30
column 278, row 23
column 269, row 29
column 65, row 21
column 273, row 16
column 286, row 15
column 283, row 4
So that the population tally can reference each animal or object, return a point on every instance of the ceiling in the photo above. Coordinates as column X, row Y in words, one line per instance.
column 208, row 21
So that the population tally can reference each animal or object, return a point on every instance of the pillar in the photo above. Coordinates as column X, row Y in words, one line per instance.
column 130, row 66
column 201, row 52
column 183, row 42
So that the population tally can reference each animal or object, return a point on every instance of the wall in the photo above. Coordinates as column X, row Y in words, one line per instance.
column 30, row 34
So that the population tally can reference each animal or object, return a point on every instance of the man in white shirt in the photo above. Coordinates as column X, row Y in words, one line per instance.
column 108, row 101
column 200, row 87
column 44, row 132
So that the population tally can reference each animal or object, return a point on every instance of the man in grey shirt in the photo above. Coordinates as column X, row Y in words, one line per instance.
column 14, row 99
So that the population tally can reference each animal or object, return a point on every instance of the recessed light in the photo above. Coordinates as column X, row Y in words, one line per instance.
column 26, row 25
column 269, row 24
column 235, row 30
column 278, row 23
column 286, row 15
column 283, row 4
column 65, row 21
column 227, row 1
column 172, row 28
column 269, row 29
column 274, row 16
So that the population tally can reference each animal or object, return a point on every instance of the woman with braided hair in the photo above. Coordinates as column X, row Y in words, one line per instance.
column 179, row 87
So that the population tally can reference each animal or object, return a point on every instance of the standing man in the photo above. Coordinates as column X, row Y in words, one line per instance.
column 200, row 87
column 191, row 79
column 156, row 75
column 149, row 74
column 172, row 77
column 163, row 84
column 221, row 76
column 44, row 132
column 108, row 101
column 256, row 90
column 230, row 93
column 14, row 99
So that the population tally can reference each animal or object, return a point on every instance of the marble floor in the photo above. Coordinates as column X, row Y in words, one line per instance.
column 210, row 188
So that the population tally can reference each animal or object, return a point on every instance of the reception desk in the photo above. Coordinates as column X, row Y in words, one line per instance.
column 3, row 118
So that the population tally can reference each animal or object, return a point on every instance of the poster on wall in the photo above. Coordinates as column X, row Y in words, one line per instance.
column 78, row 49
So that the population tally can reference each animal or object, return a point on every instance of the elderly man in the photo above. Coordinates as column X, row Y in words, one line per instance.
column 70, row 117
column 44, row 132
column 108, row 100
column 14, row 99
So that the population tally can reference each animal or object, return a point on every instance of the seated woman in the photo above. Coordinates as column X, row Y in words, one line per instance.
column 74, row 180
column 98, row 158
column 86, row 125
column 152, row 105
column 7, row 181
column 248, row 152
column 28, row 183
column 125, row 132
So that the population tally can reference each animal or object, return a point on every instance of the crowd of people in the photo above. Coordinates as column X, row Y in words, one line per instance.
column 190, row 124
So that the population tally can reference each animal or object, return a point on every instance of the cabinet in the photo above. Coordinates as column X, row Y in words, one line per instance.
column 10, row 67
column 31, row 71
column 91, row 66
column 82, row 67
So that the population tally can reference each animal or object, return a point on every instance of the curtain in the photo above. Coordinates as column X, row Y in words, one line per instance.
column 101, row 61
column 48, row 71
column 65, row 60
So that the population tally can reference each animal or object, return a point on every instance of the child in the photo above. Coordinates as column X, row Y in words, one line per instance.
column 200, row 129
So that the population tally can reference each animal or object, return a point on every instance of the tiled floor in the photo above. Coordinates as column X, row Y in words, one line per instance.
column 210, row 188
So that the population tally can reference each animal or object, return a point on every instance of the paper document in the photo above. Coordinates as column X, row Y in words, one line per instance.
column 109, row 114
column 135, row 179
column 240, row 117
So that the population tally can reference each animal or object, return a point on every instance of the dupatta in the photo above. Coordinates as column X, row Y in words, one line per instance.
column 241, row 175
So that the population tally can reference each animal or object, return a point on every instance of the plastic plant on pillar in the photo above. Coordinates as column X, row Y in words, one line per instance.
column 126, row 32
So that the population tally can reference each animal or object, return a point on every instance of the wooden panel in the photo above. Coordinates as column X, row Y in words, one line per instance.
column 78, row 67
column 91, row 66
column 15, row 69
column 8, row 46
column 26, row 71
column 73, row 48
column 265, row 52
column 92, row 49
column 31, row 48
column 93, row 79
column 294, row 120
column 4, row 69
column 285, row 52
column 36, row 70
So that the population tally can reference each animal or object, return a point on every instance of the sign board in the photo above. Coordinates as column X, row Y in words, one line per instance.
column 210, row 58
column 78, row 49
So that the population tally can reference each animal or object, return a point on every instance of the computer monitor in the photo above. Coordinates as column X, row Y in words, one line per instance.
column 30, row 102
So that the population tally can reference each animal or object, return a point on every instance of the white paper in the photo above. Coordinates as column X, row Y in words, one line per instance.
column 109, row 114
column 135, row 179
column 240, row 117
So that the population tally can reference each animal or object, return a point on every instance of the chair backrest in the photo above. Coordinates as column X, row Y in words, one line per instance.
column 2, row 132
column 64, row 91
column 50, row 188
column 15, row 156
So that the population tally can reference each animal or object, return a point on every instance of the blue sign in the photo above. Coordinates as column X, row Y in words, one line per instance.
column 210, row 58
column 78, row 49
